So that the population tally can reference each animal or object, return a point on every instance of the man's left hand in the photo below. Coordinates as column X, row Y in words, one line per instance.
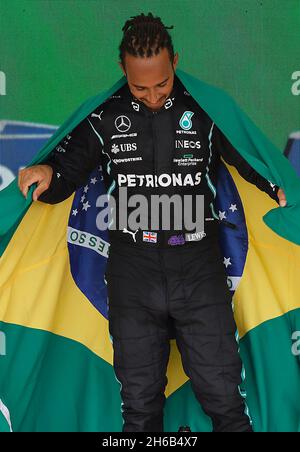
column 281, row 198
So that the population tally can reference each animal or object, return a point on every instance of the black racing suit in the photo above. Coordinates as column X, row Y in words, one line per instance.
column 158, row 276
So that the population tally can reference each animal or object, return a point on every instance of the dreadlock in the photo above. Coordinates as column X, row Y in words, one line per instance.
column 145, row 36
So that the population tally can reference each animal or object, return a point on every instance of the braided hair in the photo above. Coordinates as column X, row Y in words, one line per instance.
column 144, row 36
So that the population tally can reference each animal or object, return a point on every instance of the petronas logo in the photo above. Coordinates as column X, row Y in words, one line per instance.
column 185, row 121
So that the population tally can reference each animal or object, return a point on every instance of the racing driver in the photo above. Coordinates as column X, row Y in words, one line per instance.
column 152, row 138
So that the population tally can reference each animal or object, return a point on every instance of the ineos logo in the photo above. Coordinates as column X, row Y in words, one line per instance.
column 122, row 123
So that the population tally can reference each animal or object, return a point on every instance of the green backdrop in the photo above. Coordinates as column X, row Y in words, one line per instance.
column 56, row 53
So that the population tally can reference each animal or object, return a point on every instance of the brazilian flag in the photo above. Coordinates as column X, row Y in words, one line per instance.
column 56, row 369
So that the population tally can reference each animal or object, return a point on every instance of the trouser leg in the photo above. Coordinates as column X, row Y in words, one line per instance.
column 212, row 363
column 205, row 336
column 138, row 327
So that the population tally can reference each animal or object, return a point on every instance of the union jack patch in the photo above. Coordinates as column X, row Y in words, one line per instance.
column 150, row 237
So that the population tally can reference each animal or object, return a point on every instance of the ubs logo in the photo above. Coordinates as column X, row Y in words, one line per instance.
column 126, row 147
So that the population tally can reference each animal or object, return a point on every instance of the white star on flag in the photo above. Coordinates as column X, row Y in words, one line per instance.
column 94, row 180
column 86, row 189
column 222, row 215
column 227, row 262
column 233, row 207
column 74, row 212
column 85, row 206
column 82, row 198
column 100, row 168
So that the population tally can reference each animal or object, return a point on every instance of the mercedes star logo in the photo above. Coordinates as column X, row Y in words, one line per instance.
column 122, row 123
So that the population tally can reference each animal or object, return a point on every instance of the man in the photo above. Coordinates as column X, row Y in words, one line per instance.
column 152, row 138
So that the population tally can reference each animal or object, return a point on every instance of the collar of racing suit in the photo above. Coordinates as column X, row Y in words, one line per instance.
column 137, row 104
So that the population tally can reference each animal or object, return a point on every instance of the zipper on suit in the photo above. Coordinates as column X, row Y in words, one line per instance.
column 155, row 153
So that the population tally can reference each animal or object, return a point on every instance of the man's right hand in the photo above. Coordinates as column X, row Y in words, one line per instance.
column 40, row 174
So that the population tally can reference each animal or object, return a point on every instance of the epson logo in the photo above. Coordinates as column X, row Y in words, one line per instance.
column 187, row 144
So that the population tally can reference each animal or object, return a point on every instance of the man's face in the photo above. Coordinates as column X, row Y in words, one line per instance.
column 150, row 80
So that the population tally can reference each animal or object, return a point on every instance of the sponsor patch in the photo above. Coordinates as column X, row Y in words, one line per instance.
column 188, row 132
column 186, row 120
column 187, row 144
column 128, row 160
column 135, row 106
column 124, row 135
column 115, row 149
column 195, row 236
column 150, row 237
column 59, row 148
column 163, row 180
column 94, row 115
column 184, row 161
column 122, row 123
column 124, row 147
column 168, row 103
column 176, row 240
